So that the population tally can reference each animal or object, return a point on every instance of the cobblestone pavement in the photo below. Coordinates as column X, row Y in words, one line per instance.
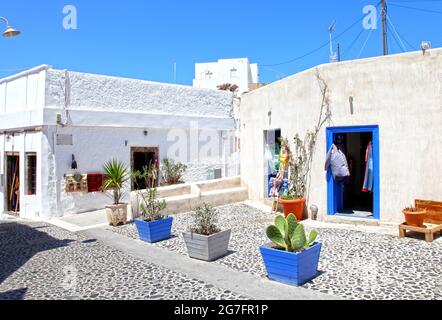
column 353, row 265
column 39, row 261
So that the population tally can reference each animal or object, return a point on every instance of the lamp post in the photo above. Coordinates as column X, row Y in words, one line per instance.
column 10, row 31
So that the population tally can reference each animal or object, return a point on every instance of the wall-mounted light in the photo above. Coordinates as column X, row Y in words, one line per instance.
column 126, row 143
column 425, row 45
column 146, row 133
column 74, row 165
column 351, row 100
column 8, row 138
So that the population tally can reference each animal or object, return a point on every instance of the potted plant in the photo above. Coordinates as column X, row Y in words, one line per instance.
column 153, row 226
column 116, row 175
column 292, row 258
column 299, row 160
column 299, row 169
column 206, row 241
column 415, row 217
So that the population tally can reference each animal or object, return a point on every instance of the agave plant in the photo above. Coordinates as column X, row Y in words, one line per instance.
column 290, row 235
column 116, row 175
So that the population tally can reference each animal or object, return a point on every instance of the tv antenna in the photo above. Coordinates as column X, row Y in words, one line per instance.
column 331, row 29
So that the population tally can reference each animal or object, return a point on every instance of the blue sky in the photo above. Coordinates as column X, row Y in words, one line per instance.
column 143, row 38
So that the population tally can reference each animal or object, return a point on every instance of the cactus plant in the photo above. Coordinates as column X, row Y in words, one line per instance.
column 290, row 235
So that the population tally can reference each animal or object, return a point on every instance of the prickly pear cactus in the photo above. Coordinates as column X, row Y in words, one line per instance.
column 290, row 235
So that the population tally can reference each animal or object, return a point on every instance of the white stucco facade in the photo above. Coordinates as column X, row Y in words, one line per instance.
column 105, row 117
column 234, row 71
column 401, row 94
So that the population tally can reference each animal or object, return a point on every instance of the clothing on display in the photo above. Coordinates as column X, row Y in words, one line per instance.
column 337, row 160
column 369, row 172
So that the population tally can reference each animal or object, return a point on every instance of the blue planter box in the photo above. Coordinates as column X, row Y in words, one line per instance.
column 154, row 231
column 291, row 268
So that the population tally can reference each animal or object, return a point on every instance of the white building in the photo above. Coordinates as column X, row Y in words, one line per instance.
column 392, row 103
column 50, row 117
column 233, row 71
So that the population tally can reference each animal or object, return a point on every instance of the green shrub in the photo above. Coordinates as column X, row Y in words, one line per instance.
column 205, row 219
column 173, row 172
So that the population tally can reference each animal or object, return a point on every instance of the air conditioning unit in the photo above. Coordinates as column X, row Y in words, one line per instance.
column 218, row 173
column 59, row 119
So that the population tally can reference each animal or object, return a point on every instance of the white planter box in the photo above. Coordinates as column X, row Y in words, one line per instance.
column 207, row 248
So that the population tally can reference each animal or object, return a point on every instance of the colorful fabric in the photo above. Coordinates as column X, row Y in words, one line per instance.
column 369, row 170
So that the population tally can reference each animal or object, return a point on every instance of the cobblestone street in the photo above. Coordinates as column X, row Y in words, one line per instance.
column 353, row 264
column 39, row 261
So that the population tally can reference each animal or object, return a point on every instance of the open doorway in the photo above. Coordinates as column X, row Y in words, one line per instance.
column 357, row 200
column 142, row 157
column 13, row 183
column 272, row 149
column 358, row 195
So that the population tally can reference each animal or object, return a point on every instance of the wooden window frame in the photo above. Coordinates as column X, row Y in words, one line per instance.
column 30, row 190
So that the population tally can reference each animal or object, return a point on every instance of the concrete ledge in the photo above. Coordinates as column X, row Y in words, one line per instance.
column 184, row 197
column 353, row 221
column 212, row 273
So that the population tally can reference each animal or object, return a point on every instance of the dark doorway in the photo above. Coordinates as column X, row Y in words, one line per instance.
column 13, row 183
column 141, row 158
column 356, row 201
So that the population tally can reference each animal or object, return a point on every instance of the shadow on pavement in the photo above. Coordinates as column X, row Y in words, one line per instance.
column 18, row 294
column 18, row 244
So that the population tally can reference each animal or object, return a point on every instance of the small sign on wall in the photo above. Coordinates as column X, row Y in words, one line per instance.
column 65, row 140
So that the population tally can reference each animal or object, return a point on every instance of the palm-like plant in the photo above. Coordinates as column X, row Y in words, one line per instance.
column 116, row 175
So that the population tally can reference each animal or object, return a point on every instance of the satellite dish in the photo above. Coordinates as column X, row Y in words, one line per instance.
column 332, row 26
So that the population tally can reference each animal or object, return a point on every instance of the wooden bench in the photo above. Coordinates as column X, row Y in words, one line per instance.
column 428, row 229
column 434, row 210
column 433, row 222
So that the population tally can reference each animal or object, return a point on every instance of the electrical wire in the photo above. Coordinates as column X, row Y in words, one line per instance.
column 416, row 9
column 347, row 51
column 318, row 48
column 397, row 34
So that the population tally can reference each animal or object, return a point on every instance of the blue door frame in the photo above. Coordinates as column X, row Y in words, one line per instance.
column 334, row 201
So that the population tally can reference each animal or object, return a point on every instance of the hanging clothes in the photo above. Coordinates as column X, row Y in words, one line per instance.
column 337, row 160
column 369, row 170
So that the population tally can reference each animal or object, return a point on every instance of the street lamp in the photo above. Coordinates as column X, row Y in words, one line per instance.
column 10, row 31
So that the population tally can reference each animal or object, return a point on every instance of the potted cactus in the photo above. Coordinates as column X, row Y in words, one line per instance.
column 153, row 226
column 206, row 241
column 292, row 258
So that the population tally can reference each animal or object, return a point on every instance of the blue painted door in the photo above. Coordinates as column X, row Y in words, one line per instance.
column 335, row 194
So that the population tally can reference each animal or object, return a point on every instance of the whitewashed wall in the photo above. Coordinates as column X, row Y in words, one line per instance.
column 104, row 93
column 102, row 113
column 400, row 93
column 221, row 73
column 30, row 205
column 93, row 147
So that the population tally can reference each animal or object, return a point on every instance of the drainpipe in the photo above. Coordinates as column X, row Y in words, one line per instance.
column 224, row 137
column 4, row 172
column 67, row 97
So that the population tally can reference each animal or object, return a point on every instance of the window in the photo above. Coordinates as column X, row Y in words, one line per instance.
column 233, row 73
column 31, row 174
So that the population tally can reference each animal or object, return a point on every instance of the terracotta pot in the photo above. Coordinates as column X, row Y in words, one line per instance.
column 116, row 214
column 415, row 219
column 293, row 206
